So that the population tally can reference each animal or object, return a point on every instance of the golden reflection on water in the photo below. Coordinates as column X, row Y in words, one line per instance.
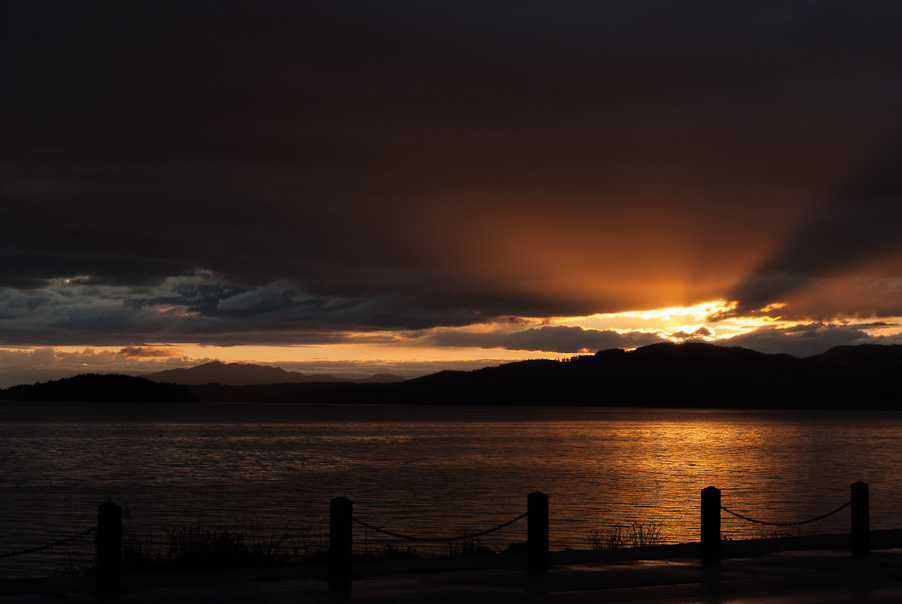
column 765, row 464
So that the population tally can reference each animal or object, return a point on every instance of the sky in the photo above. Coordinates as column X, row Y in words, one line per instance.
column 410, row 186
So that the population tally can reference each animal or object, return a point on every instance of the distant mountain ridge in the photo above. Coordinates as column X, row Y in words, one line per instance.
column 691, row 375
column 242, row 374
column 686, row 375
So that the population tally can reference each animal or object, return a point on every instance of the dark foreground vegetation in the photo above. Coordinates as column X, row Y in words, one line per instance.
column 194, row 546
column 199, row 546
column 661, row 375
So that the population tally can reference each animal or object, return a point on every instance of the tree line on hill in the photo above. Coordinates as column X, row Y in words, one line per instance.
column 92, row 387
column 691, row 375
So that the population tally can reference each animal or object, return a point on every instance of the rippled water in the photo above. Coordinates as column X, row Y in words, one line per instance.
column 431, row 471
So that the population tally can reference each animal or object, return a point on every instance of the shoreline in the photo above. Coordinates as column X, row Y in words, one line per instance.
column 832, row 545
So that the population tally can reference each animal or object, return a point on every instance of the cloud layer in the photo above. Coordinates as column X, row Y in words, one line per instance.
column 294, row 173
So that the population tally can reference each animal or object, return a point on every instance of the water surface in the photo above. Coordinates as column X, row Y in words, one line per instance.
column 430, row 470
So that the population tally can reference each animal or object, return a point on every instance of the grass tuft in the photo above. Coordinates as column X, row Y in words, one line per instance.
column 637, row 534
column 195, row 546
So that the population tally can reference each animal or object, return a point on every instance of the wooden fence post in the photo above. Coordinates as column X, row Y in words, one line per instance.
column 710, row 530
column 340, row 544
column 109, row 547
column 861, row 520
column 537, row 561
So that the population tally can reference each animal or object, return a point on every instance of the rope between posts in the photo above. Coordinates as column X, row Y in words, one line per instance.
column 437, row 539
column 798, row 523
column 41, row 548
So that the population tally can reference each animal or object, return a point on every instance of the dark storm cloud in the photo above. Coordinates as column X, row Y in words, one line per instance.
column 199, row 308
column 701, row 332
column 862, row 224
column 408, row 164
column 805, row 340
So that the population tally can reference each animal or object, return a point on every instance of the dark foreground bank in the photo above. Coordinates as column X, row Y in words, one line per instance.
column 809, row 569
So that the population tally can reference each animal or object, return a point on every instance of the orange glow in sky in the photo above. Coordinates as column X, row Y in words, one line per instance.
column 411, row 353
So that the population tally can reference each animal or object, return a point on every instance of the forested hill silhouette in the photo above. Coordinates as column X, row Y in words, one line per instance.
column 91, row 387
column 687, row 375
column 691, row 375
column 863, row 355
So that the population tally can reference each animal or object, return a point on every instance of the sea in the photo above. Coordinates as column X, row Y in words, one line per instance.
column 433, row 472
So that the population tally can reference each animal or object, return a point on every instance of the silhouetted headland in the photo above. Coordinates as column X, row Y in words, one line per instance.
column 690, row 375
column 91, row 387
